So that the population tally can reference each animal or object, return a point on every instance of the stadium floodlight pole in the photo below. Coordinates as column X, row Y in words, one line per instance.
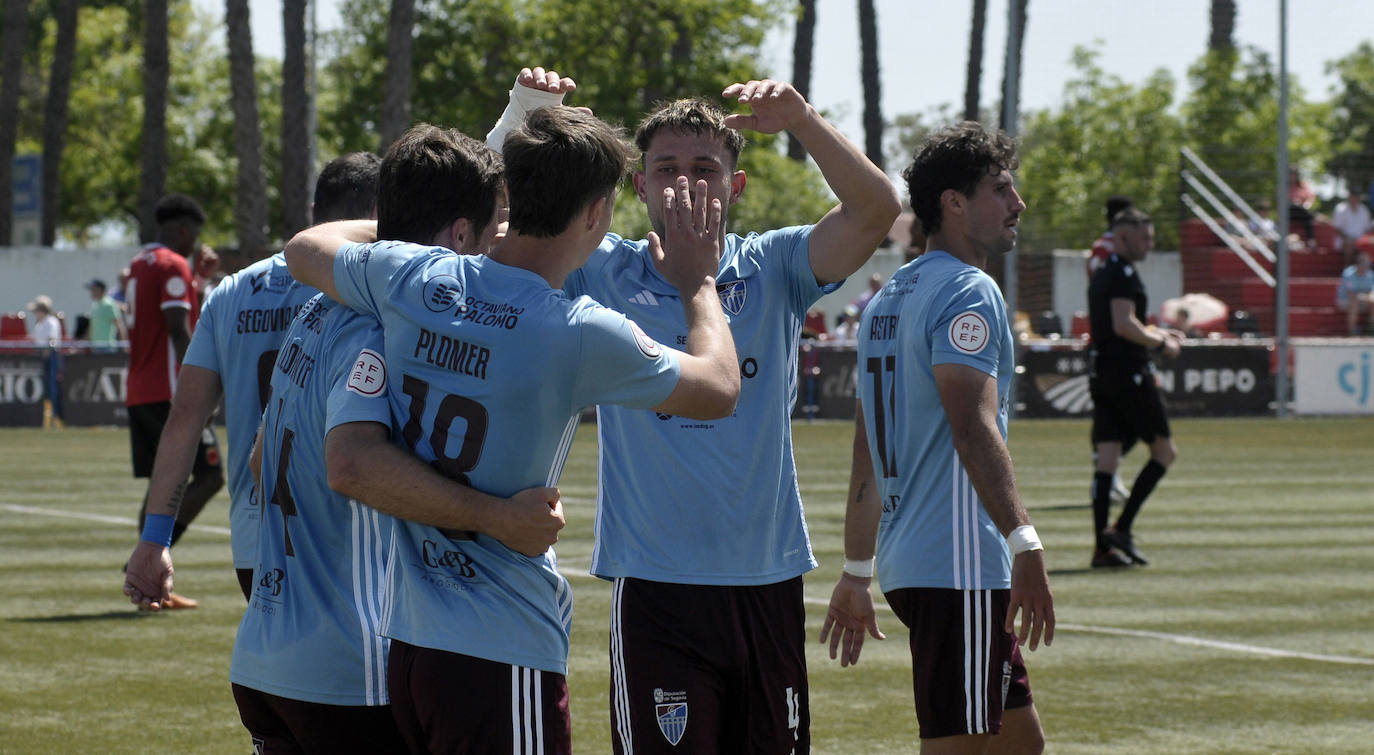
column 1010, row 108
column 1281, row 290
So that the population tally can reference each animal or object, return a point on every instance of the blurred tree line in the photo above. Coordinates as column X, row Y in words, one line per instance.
column 1105, row 137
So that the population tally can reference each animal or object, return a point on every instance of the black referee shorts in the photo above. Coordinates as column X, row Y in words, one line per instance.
column 1127, row 407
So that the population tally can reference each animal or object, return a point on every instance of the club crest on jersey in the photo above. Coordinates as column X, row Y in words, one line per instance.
column 732, row 296
column 647, row 346
column 672, row 721
column 442, row 293
column 368, row 376
column 969, row 333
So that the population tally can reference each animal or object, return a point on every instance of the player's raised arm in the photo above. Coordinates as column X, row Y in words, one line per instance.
column 851, row 611
column 534, row 88
column 362, row 463
column 708, row 385
column 847, row 236
column 310, row 253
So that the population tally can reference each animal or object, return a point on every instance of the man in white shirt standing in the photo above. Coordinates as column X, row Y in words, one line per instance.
column 1352, row 220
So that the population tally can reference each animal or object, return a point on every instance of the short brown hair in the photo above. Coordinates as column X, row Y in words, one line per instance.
column 430, row 178
column 558, row 162
column 693, row 115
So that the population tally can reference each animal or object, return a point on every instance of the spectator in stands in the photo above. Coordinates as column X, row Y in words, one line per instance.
column 47, row 333
column 847, row 325
column 1301, row 197
column 107, row 320
column 875, row 284
column 814, row 325
column 1264, row 227
column 47, row 329
column 1356, row 294
column 1104, row 246
column 1352, row 221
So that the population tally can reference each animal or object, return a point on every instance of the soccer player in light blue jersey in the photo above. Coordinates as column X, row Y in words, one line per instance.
column 231, row 354
column 932, row 481
column 700, row 524
column 309, row 671
column 491, row 366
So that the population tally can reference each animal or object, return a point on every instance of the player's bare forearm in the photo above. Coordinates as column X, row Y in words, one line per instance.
column 198, row 392
column 310, row 253
column 863, row 508
column 969, row 398
column 363, row 464
column 847, row 236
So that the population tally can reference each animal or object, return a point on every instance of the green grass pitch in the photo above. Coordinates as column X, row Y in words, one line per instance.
column 1249, row 632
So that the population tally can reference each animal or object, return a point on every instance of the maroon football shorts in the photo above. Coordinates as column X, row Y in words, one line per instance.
column 448, row 702
column 966, row 668
column 708, row 669
column 282, row 726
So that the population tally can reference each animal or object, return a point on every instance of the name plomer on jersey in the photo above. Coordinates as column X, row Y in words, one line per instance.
column 452, row 354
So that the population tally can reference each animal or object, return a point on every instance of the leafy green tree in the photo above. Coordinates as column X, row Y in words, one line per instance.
column 100, row 165
column 1108, row 137
column 625, row 57
column 1229, row 117
column 1352, row 118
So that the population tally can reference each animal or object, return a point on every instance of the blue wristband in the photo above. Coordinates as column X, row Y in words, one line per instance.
column 157, row 528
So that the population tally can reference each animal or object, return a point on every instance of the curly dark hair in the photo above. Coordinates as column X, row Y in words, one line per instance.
column 956, row 157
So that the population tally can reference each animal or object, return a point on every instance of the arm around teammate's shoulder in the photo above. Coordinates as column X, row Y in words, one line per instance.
column 310, row 253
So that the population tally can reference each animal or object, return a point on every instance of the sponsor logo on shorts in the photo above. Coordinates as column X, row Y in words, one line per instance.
column 969, row 333
column 442, row 293
column 672, row 721
column 732, row 295
column 368, row 376
column 647, row 346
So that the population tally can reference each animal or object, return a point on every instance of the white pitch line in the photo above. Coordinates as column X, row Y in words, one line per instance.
column 1183, row 639
column 1180, row 639
column 125, row 521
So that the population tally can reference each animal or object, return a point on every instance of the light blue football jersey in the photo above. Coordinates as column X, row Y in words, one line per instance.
column 240, row 327
column 490, row 370
column 934, row 530
column 311, row 629
column 707, row 502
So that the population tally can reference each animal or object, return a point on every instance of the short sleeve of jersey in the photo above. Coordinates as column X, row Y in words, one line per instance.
column 620, row 364
column 794, row 245
column 202, row 351
column 1124, row 283
column 359, row 392
column 362, row 272
column 971, row 326
column 174, row 286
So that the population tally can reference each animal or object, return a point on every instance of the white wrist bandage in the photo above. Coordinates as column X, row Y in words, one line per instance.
column 1023, row 539
column 522, row 100
column 862, row 569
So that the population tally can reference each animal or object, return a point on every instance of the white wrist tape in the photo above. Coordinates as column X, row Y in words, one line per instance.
column 1023, row 539
column 522, row 100
column 862, row 569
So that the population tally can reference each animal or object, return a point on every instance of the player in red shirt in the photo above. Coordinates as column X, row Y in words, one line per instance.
column 163, row 305
column 1105, row 246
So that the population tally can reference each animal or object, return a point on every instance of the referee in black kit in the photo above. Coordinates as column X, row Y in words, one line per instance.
column 1127, row 405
